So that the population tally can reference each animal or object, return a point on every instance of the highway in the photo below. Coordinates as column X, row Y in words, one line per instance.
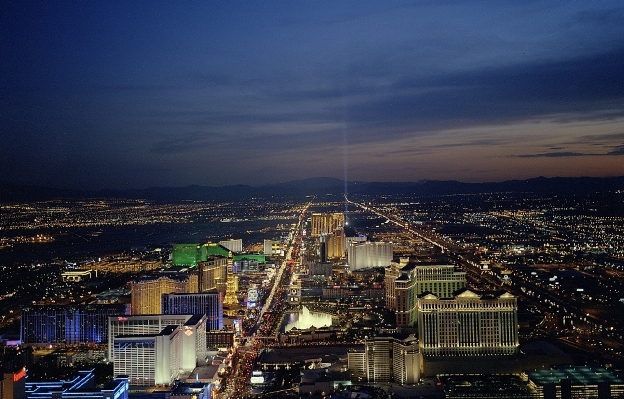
column 552, row 303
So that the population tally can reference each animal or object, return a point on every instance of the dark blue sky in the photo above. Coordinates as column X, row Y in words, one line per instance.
column 120, row 94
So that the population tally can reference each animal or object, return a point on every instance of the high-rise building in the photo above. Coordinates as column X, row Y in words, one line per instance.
column 378, row 359
column 406, row 361
column 391, row 273
column 192, row 254
column 208, row 303
column 323, row 250
column 150, row 359
column 334, row 243
column 272, row 248
column 12, row 384
column 469, row 324
column 404, row 282
column 245, row 265
column 230, row 301
column 147, row 291
column 171, row 342
column 67, row 324
column 362, row 255
column 358, row 238
column 323, row 223
column 233, row 245
column 212, row 274
column 387, row 358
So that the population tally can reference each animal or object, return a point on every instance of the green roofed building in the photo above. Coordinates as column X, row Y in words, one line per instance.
column 212, row 249
column 191, row 254
column 185, row 254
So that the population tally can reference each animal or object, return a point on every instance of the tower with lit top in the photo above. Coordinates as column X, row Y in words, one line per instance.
column 230, row 302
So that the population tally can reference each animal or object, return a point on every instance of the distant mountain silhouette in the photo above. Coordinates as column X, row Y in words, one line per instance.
column 322, row 186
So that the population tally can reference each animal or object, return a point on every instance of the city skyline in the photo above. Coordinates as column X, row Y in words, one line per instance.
column 126, row 95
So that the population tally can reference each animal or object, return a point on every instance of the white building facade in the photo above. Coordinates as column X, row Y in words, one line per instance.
column 272, row 248
column 134, row 340
column 149, row 360
column 233, row 245
column 362, row 255
column 470, row 324
column 386, row 358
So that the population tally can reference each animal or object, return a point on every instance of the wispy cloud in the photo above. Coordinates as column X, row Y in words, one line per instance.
column 617, row 151
column 553, row 155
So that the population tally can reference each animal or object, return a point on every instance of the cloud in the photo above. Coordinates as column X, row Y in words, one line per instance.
column 377, row 107
column 604, row 137
column 554, row 155
column 580, row 89
column 618, row 151
column 184, row 143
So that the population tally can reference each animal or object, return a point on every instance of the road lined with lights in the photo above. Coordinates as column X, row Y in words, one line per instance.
column 550, row 302
column 248, row 353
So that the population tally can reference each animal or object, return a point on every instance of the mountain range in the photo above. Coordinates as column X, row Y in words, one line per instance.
column 322, row 186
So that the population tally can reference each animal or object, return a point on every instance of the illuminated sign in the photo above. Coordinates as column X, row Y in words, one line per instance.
column 19, row 375
column 257, row 377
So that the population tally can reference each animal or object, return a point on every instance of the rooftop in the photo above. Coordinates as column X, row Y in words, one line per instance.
column 577, row 376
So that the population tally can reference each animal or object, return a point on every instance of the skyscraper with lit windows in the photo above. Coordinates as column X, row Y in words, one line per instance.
column 387, row 358
column 212, row 274
column 469, row 324
column 405, row 281
column 324, row 223
column 67, row 324
column 154, row 349
column 362, row 255
column 230, row 300
column 208, row 303
column 147, row 292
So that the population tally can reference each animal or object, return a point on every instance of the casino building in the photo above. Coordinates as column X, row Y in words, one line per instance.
column 209, row 303
column 469, row 324
column 405, row 281
column 67, row 324
column 362, row 255
column 147, row 291
column 156, row 349
column 387, row 358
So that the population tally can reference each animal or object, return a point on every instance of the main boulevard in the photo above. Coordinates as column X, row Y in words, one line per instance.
column 245, row 355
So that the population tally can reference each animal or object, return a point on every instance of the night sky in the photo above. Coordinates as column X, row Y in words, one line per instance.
column 132, row 94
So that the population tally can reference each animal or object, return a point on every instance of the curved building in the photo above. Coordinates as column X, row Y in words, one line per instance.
column 362, row 255
column 147, row 291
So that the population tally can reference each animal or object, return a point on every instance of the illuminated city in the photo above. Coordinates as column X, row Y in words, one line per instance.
column 501, row 284
column 319, row 199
